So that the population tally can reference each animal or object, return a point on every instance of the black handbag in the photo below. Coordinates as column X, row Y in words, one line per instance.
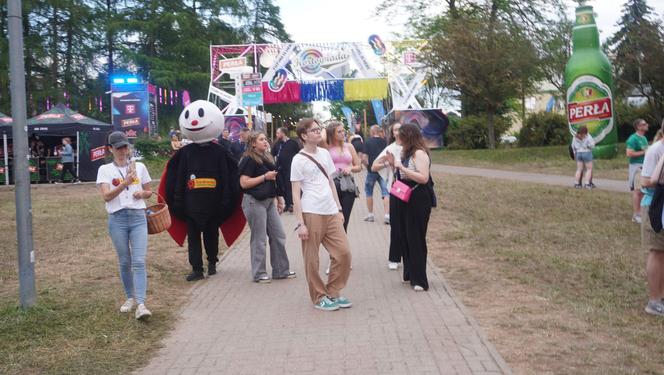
column 656, row 205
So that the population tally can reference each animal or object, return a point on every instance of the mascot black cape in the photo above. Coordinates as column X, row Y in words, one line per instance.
column 201, row 186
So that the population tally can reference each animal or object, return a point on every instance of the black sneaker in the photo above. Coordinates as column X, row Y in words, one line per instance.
column 194, row 275
column 577, row 186
column 590, row 186
column 212, row 269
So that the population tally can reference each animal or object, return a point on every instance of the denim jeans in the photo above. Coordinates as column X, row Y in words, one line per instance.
column 129, row 232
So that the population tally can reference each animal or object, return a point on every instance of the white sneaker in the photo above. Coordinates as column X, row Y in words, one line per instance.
column 327, row 270
column 636, row 219
column 418, row 288
column 393, row 266
column 127, row 306
column 387, row 219
column 369, row 218
column 142, row 312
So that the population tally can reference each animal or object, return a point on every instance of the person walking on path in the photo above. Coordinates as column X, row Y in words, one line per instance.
column 636, row 145
column 412, row 217
column 240, row 146
column 123, row 186
column 651, row 240
column 383, row 168
column 583, row 145
column 284, row 150
column 346, row 162
column 320, row 219
column 262, row 207
column 67, row 160
column 372, row 148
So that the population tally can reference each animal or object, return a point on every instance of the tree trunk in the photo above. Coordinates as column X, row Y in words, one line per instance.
column 490, row 112
column 55, row 41
column 69, row 58
column 31, row 106
column 109, row 37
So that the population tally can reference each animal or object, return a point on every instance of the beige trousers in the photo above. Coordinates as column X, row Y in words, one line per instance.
column 329, row 231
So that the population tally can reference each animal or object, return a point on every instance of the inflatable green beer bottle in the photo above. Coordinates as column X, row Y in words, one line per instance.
column 589, row 84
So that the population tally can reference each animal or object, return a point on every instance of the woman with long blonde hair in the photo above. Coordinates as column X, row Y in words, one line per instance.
column 262, row 207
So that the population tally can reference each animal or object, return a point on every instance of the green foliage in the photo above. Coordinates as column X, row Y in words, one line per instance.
column 544, row 129
column 638, row 50
column 74, row 46
column 153, row 148
column 625, row 116
column 471, row 132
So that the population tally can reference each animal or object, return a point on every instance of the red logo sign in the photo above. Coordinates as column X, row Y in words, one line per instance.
column 130, row 109
column 97, row 153
column 130, row 122
column 594, row 110
column 2, row 170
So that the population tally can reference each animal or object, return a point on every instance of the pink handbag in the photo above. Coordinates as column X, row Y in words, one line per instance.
column 401, row 190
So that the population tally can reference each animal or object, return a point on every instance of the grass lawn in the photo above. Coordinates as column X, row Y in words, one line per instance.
column 555, row 276
column 76, row 327
column 549, row 160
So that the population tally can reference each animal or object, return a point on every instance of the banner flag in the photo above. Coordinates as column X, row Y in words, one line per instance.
column 379, row 110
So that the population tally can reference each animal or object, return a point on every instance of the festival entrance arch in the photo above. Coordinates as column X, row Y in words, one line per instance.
column 306, row 72
column 245, row 76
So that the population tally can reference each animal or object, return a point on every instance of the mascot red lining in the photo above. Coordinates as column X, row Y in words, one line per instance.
column 201, row 186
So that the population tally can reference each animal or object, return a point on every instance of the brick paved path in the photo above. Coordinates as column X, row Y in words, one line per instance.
column 234, row 326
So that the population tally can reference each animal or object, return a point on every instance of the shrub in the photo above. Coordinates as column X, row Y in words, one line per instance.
column 625, row 116
column 471, row 132
column 544, row 129
column 151, row 148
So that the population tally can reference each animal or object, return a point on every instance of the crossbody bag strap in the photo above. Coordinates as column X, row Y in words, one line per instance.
column 661, row 172
column 315, row 162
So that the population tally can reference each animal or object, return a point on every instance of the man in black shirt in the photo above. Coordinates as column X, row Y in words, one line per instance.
column 283, row 151
column 372, row 148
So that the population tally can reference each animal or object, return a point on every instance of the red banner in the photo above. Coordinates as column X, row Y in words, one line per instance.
column 97, row 153
column 289, row 94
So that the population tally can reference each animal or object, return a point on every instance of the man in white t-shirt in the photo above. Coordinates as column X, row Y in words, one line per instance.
column 651, row 240
column 319, row 217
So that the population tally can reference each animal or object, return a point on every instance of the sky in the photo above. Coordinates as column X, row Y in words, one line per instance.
column 355, row 20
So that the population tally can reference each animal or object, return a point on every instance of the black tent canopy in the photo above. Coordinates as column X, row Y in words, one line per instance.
column 89, row 136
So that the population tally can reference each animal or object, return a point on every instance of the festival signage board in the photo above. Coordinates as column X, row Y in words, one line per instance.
column 229, row 64
column 130, row 109
column 252, row 89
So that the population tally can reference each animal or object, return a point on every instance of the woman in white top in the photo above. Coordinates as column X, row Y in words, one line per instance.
column 382, row 166
column 583, row 145
column 412, row 218
column 123, row 185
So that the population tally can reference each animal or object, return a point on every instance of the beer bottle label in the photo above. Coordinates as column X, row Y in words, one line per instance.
column 590, row 103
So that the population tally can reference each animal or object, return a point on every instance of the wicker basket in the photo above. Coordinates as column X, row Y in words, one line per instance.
column 159, row 219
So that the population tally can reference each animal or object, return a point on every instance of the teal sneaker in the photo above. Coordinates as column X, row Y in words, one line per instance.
column 326, row 304
column 342, row 302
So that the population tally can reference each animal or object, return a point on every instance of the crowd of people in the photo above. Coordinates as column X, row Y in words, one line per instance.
column 312, row 177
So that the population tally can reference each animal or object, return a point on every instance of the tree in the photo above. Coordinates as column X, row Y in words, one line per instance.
column 637, row 49
column 264, row 23
column 486, row 59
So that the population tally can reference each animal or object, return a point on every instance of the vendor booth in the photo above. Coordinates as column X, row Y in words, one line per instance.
column 5, row 129
column 45, row 134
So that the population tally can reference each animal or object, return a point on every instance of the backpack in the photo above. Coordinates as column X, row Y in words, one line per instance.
column 656, row 206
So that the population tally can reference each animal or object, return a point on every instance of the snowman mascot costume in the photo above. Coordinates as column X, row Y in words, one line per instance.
column 201, row 187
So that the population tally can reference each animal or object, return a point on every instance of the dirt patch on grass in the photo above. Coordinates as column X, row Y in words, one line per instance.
column 555, row 276
column 76, row 327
